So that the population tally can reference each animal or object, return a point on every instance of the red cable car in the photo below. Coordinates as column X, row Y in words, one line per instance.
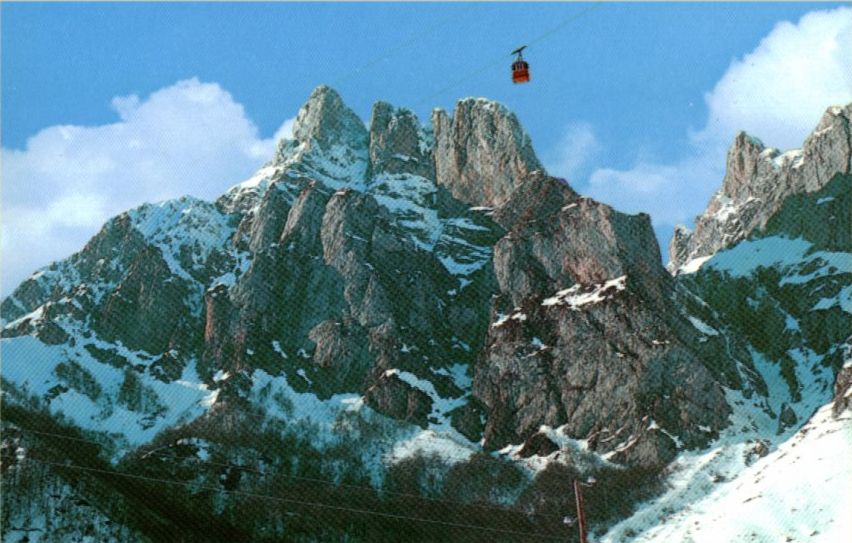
column 520, row 68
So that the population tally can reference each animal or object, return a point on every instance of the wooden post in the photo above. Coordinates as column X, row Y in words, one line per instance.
column 581, row 513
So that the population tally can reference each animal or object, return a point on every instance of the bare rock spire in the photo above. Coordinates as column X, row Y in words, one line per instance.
column 482, row 154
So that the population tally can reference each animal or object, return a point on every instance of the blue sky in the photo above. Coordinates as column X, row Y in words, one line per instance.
column 633, row 103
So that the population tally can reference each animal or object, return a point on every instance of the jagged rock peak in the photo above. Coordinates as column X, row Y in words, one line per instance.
column 398, row 142
column 482, row 154
column 834, row 115
column 326, row 119
column 757, row 181
column 744, row 160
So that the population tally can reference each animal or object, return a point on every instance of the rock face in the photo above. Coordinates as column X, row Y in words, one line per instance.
column 586, row 333
column 325, row 121
column 438, row 273
column 398, row 143
column 757, row 182
column 482, row 154
column 330, row 142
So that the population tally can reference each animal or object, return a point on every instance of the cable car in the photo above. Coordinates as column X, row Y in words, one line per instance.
column 520, row 68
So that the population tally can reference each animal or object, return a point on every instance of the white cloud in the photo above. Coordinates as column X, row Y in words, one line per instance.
column 671, row 193
column 577, row 147
column 188, row 138
column 777, row 92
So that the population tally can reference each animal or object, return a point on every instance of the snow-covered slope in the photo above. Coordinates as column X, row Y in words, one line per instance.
column 801, row 491
column 782, row 470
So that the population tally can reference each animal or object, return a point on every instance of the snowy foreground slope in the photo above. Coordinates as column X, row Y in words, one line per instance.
column 782, row 279
column 802, row 491
column 412, row 332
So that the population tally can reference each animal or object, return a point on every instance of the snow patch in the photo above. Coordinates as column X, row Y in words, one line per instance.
column 579, row 296
column 703, row 327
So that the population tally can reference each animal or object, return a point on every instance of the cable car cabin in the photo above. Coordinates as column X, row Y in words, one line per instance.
column 520, row 69
column 520, row 72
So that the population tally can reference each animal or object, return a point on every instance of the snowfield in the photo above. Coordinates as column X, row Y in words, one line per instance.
column 800, row 492
column 788, row 254
column 34, row 369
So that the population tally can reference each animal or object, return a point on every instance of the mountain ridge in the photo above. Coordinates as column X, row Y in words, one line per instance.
column 757, row 180
column 432, row 285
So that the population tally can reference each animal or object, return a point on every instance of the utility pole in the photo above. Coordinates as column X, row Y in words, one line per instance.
column 581, row 512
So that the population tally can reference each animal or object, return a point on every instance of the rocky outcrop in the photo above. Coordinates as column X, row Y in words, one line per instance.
column 653, row 448
column 558, row 239
column 586, row 332
column 147, row 309
column 757, row 182
column 326, row 121
column 398, row 143
column 396, row 398
column 843, row 391
column 482, row 154
column 330, row 142
column 538, row 444
column 342, row 354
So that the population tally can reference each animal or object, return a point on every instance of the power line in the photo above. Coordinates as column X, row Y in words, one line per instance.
column 296, row 477
column 288, row 500
column 412, row 40
column 502, row 58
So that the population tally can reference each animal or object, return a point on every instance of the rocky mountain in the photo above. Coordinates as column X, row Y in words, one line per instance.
column 422, row 320
column 757, row 182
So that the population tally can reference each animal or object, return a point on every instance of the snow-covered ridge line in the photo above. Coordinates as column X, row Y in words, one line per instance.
column 181, row 226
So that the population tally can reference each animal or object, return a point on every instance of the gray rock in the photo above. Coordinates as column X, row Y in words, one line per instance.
column 342, row 351
column 538, row 444
column 398, row 143
column 591, row 336
column 469, row 420
column 757, row 182
column 651, row 449
column 787, row 418
column 842, row 394
column 756, row 450
column 148, row 308
column 482, row 154
column 326, row 121
column 397, row 399
column 271, row 218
